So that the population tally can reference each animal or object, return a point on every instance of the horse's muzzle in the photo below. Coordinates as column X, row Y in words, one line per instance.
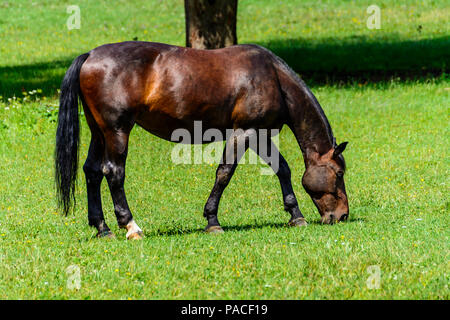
column 332, row 218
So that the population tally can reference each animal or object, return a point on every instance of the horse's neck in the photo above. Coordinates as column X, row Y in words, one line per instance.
column 308, row 121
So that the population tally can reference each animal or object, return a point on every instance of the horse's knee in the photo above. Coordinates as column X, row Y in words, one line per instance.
column 223, row 174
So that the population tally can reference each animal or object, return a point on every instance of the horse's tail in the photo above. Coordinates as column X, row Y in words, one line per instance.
column 68, row 135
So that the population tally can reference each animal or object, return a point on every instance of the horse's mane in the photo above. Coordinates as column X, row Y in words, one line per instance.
column 303, row 85
column 288, row 70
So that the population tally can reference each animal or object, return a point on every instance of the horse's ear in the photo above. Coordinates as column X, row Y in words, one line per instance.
column 339, row 149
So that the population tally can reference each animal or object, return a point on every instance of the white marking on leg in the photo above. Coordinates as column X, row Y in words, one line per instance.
column 132, row 227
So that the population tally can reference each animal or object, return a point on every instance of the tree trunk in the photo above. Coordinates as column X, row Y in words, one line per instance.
column 210, row 24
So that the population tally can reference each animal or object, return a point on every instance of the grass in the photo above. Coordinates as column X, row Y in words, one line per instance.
column 397, row 159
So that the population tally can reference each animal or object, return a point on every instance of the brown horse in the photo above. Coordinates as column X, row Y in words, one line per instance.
column 162, row 88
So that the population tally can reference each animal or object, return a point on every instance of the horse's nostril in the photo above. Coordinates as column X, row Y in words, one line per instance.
column 332, row 218
column 344, row 217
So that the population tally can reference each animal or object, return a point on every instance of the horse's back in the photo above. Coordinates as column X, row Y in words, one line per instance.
column 159, row 83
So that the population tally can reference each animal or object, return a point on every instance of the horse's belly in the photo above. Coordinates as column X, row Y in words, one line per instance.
column 159, row 124
column 169, row 127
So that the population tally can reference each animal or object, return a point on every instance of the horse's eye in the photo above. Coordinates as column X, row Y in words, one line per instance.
column 340, row 174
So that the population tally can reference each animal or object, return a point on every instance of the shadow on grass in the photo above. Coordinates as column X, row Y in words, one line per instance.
column 239, row 228
column 361, row 59
column 46, row 76
column 325, row 61
column 246, row 227
column 350, row 220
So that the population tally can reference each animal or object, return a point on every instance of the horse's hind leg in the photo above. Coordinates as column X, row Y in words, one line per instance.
column 283, row 173
column 116, row 148
column 235, row 148
column 93, row 172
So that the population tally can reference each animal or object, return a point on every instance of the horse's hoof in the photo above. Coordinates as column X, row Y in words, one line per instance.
column 214, row 229
column 134, row 232
column 106, row 234
column 298, row 222
column 136, row 236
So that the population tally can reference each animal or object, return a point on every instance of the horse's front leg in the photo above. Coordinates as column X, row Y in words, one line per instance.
column 281, row 169
column 235, row 148
column 116, row 148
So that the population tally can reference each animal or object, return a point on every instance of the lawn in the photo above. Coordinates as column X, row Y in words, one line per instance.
column 385, row 91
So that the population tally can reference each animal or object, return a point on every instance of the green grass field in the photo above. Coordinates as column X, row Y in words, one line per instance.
column 386, row 91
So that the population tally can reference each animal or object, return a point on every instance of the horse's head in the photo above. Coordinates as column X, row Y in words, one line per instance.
column 324, row 182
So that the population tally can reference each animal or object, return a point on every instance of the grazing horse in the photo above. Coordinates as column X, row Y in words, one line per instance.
column 162, row 88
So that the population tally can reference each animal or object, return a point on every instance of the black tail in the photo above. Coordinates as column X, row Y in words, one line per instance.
column 68, row 135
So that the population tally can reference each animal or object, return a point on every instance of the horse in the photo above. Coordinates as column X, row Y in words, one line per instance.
column 161, row 88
